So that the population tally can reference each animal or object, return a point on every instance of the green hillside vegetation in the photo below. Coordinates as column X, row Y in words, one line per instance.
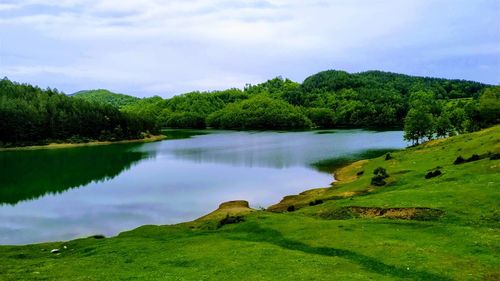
column 30, row 115
column 259, row 112
column 413, row 223
column 332, row 99
column 107, row 97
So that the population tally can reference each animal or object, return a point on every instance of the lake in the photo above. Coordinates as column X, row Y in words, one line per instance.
column 62, row 194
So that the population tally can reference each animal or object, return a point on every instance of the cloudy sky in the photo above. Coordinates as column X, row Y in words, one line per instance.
column 167, row 47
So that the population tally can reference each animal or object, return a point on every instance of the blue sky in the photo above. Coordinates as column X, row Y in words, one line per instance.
column 161, row 47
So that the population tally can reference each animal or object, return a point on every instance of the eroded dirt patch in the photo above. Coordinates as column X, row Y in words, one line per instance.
column 423, row 214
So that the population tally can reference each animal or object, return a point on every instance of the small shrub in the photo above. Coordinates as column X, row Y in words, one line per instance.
column 98, row 236
column 290, row 208
column 433, row 174
column 316, row 202
column 360, row 173
column 378, row 180
column 474, row 157
column 388, row 156
column 230, row 220
column 495, row 156
column 459, row 160
column 381, row 172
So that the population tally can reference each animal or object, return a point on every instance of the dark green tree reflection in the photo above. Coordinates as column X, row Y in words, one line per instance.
column 26, row 175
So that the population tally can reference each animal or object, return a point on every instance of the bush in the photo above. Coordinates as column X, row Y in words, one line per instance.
column 316, row 202
column 230, row 220
column 433, row 174
column 360, row 173
column 378, row 181
column 290, row 208
column 459, row 160
column 388, row 156
column 380, row 174
column 495, row 156
column 474, row 157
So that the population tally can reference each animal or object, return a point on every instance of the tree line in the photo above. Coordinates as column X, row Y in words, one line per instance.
column 425, row 107
column 430, row 118
column 30, row 115
column 329, row 99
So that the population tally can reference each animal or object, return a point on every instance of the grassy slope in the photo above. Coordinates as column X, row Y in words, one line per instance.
column 307, row 244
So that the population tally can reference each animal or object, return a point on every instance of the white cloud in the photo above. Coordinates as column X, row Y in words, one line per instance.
column 171, row 46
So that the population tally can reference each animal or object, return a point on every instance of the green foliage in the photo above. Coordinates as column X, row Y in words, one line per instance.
column 489, row 106
column 29, row 115
column 321, row 117
column 259, row 112
column 429, row 117
column 418, row 125
column 372, row 99
column 380, row 174
column 443, row 126
column 106, row 97
column 185, row 120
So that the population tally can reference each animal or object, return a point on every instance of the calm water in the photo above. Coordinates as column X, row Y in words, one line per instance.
column 61, row 194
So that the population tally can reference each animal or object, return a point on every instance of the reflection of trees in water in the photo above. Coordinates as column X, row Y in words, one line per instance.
column 26, row 175
column 274, row 159
column 330, row 165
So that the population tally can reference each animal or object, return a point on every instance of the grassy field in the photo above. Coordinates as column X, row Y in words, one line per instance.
column 442, row 228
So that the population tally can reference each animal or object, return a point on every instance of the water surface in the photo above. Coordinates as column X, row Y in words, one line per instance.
column 61, row 194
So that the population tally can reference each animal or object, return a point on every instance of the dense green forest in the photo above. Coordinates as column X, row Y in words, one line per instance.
column 105, row 96
column 30, row 115
column 425, row 107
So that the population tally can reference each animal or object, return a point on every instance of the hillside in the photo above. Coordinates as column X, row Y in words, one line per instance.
column 444, row 227
column 328, row 99
column 107, row 97
column 32, row 116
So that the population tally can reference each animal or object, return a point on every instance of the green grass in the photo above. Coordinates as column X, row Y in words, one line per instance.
column 462, row 244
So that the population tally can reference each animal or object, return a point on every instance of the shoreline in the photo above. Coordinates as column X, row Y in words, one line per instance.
column 93, row 143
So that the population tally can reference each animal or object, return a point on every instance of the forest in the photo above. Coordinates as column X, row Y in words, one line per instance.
column 424, row 107
column 30, row 115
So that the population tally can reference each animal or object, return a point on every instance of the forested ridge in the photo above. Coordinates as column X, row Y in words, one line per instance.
column 105, row 96
column 425, row 107
column 334, row 99
column 30, row 115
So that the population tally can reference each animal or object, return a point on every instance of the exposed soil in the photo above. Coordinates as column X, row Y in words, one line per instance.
column 377, row 212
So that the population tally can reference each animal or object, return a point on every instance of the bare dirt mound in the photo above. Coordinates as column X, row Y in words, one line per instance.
column 417, row 213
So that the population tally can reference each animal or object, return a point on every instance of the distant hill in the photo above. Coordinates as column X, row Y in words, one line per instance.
column 106, row 97
column 329, row 99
